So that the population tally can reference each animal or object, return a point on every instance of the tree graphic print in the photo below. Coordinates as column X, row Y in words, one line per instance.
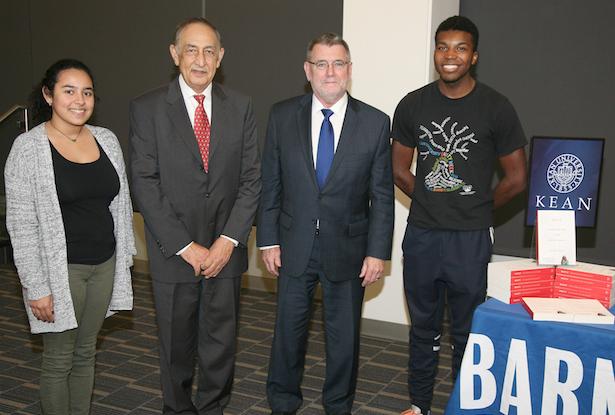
column 456, row 140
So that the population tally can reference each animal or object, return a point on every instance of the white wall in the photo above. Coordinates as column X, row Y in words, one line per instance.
column 391, row 45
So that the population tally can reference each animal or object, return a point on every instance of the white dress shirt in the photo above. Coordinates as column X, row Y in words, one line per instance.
column 337, row 120
column 191, row 102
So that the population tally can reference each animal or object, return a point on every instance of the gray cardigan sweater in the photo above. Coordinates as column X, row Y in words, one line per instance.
column 34, row 222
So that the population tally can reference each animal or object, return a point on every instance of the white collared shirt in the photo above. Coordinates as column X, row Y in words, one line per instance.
column 191, row 103
column 337, row 120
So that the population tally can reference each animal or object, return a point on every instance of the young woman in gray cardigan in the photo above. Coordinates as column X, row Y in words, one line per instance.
column 69, row 216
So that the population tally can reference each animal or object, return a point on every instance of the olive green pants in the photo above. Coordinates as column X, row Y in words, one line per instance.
column 67, row 370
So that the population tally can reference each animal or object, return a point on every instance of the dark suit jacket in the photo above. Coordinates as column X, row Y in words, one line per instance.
column 179, row 201
column 356, row 206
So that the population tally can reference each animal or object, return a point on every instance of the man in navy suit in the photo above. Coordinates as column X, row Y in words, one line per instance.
column 326, row 216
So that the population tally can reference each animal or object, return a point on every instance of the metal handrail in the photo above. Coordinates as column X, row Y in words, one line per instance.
column 13, row 109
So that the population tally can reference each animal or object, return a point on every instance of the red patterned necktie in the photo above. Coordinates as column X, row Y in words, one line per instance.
column 202, row 130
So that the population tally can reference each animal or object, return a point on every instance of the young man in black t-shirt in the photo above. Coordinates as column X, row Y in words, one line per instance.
column 459, row 128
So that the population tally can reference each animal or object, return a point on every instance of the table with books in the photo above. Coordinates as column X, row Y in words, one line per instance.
column 516, row 365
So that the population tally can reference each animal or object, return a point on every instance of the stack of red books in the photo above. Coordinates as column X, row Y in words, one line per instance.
column 585, row 281
column 536, row 282
column 509, row 281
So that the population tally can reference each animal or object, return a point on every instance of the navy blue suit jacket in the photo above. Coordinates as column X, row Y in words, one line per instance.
column 355, row 208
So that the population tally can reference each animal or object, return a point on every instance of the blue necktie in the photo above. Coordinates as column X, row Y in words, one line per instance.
column 324, row 156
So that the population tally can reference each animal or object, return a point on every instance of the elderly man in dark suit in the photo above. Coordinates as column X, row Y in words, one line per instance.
column 196, row 180
column 326, row 217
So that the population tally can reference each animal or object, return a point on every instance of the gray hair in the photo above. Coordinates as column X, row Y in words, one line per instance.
column 328, row 39
column 193, row 20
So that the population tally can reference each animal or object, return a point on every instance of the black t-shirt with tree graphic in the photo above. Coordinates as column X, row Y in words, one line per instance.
column 458, row 143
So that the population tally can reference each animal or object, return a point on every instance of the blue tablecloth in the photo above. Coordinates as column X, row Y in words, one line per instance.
column 516, row 366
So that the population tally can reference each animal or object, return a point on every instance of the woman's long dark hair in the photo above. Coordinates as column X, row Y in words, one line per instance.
column 41, row 111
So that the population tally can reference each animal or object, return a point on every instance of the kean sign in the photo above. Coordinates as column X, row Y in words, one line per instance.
column 565, row 175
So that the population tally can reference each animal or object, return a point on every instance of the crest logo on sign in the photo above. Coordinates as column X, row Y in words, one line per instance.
column 565, row 173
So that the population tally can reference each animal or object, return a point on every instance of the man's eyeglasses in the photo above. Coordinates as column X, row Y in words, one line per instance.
column 324, row 65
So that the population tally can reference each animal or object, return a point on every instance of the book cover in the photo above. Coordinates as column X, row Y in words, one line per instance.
column 568, row 310
column 555, row 237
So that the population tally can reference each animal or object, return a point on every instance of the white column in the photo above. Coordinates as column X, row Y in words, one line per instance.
column 391, row 43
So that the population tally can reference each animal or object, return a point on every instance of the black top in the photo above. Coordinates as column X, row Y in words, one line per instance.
column 85, row 191
column 458, row 143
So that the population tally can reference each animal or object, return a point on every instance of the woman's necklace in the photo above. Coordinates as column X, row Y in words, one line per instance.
column 74, row 140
